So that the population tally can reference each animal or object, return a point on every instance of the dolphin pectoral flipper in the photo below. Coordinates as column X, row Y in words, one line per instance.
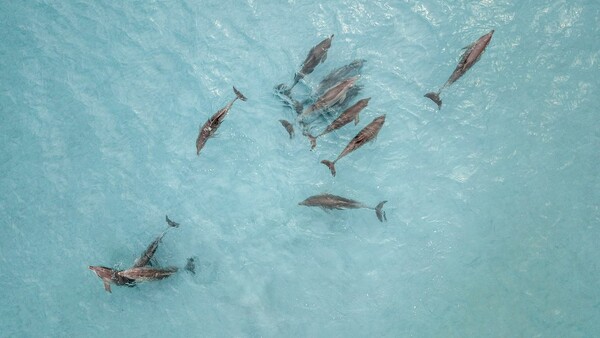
column 324, row 57
column 468, row 47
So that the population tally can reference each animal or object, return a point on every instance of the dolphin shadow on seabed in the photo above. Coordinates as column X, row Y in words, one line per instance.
column 141, row 271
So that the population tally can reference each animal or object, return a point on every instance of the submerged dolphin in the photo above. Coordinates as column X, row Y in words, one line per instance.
column 210, row 127
column 333, row 95
column 344, row 118
column 339, row 74
column 317, row 55
column 151, row 249
column 329, row 201
column 368, row 133
column 471, row 55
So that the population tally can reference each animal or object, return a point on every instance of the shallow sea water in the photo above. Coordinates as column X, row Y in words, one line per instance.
column 493, row 201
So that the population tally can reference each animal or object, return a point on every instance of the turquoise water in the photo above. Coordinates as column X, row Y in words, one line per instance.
column 493, row 201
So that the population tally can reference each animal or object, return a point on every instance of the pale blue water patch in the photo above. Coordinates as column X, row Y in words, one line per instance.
column 493, row 201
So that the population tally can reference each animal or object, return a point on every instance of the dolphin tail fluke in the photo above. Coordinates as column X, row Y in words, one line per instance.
column 435, row 97
column 331, row 166
column 299, row 76
column 107, row 286
column 312, row 139
column 171, row 223
column 379, row 212
column 239, row 94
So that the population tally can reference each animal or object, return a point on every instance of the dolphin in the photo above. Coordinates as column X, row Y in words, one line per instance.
column 368, row 133
column 130, row 276
column 339, row 74
column 317, row 55
column 288, row 126
column 333, row 95
column 329, row 201
column 145, row 274
column 151, row 249
column 111, row 276
column 471, row 55
column 344, row 118
column 210, row 127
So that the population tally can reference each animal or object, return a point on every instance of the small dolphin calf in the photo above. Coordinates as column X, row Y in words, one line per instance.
column 329, row 201
column 210, row 127
column 467, row 60
column 317, row 55
column 151, row 249
column 332, row 96
column 344, row 118
column 368, row 133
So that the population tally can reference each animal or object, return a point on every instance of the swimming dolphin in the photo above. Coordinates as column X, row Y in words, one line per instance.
column 288, row 126
column 332, row 96
column 210, row 127
column 329, row 201
column 111, row 276
column 151, row 249
column 467, row 60
column 339, row 74
column 145, row 274
column 130, row 276
column 368, row 133
column 344, row 118
column 317, row 55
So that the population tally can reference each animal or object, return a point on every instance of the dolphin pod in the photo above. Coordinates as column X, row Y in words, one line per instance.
column 140, row 271
column 333, row 93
